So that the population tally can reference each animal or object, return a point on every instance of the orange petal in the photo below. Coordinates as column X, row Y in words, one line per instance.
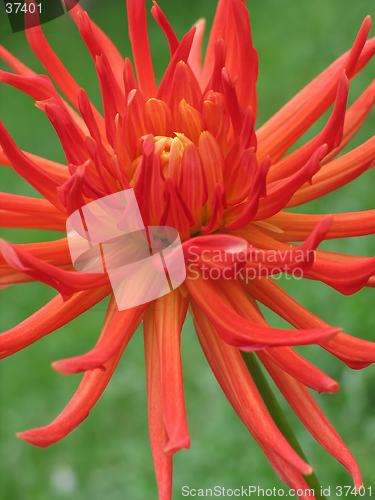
column 300, row 369
column 337, row 173
column 119, row 326
column 158, row 433
column 65, row 282
column 287, row 125
column 313, row 418
column 231, row 372
column 169, row 316
column 158, row 118
column 238, row 331
column 49, row 318
column 331, row 135
column 356, row 353
column 297, row 227
column 89, row 391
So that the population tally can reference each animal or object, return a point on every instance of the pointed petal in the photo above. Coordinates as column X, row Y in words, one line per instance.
column 181, row 54
column 356, row 353
column 337, row 173
column 297, row 227
column 158, row 433
column 231, row 372
column 65, row 282
column 89, row 391
column 313, row 418
column 54, row 66
column 57, row 170
column 287, row 125
column 98, row 42
column 346, row 277
column 354, row 119
column 49, row 318
column 300, row 369
column 170, row 312
column 281, row 192
column 141, row 48
column 162, row 21
column 71, row 137
column 242, row 215
column 15, row 63
column 42, row 181
column 195, row 57
column 331, row 135
column 119, row 326
column 237, row 330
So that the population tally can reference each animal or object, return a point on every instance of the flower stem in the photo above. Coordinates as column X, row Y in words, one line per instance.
column 278, row 415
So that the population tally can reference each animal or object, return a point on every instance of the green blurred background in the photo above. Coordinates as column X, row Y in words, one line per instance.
column 109, row 455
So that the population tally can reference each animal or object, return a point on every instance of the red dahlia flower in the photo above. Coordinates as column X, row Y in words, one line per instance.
column 189, row 149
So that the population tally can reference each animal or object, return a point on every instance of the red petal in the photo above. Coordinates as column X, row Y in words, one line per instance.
column 57, row 170
column 15, row 64
column 243, row 214
column 331, row 135
column 313, row 418
column 356, row 353
column 65, row 282
column 44, row 182
column 23, row 211
column 231, row 372
column 169, row 316
column 181, row 54
column 286, row 126
column 337, row 173
column 300, row 369
column 232, row 24
column 281, row 192
column 71, row 137
column 141, row 48
column 39, row 87
column 49, row 318
column 119, row 327
column 162, row 21
column 89, row 391
column 345, row 277
column 98, row 42
column 53, row 65
column 237, row 330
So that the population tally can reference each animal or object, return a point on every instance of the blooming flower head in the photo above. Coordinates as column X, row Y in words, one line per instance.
column 189, row 149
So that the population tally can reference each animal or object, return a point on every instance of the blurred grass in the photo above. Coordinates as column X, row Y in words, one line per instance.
column 109, row 454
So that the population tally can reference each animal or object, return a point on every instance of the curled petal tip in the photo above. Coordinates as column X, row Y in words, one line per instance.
column 368, row 21
column 175, row 445
column 72, row 366
column 33, row 436
column 308, row 470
